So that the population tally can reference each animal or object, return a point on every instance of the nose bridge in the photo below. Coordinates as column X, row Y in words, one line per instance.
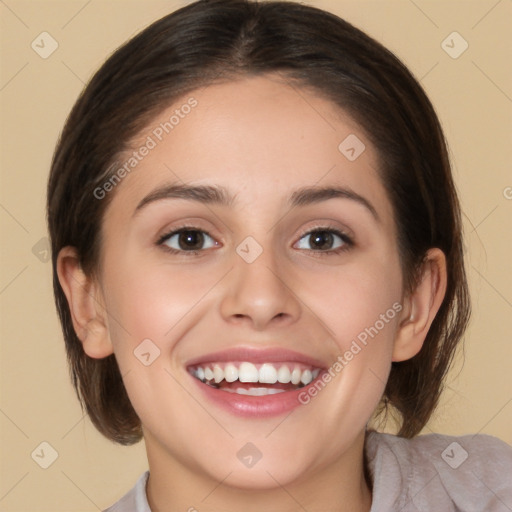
column 258, row 292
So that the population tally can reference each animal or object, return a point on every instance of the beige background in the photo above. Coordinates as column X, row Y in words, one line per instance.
column 473, row 95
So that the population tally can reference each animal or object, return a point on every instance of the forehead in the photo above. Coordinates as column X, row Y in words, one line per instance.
column 259, row 137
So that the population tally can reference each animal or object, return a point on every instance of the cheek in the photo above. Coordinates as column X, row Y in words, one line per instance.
column 360, row 310
column 148, row 309
column 357, row 299
column 149, row 302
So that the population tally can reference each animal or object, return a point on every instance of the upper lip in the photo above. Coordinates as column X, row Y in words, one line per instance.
column 256, row 356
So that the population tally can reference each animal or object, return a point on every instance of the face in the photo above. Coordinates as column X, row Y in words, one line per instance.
column 252, row 282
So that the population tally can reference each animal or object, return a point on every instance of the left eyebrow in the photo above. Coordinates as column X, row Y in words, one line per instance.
column 219, row 195
column 311, row 195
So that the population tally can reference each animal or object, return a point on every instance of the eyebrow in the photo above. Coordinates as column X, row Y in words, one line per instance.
column 218, row 195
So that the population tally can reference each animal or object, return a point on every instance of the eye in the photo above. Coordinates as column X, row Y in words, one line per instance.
column 187, row 240
column 325, row 240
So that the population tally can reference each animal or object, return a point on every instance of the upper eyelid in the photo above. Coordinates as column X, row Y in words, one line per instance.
column 185, row 227
column 342, row 231
column 348, row 240
column 327, row 228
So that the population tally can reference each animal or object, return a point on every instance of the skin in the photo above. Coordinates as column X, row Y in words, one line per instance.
column 262, row 140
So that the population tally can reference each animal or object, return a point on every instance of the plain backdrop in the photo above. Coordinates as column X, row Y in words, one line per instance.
column 473, row 96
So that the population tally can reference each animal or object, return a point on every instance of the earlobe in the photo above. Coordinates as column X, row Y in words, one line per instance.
column 421, row 306
column 85, row 304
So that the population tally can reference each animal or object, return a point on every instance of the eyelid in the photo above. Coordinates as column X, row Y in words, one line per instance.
column 190, row 225
column 346, row 242
column 347, row 234
column 164, row 238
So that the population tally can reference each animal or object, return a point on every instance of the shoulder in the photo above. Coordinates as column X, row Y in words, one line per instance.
column 135, row 499
column 438, row 472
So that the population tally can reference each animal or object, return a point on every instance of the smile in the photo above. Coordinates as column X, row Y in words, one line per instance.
column 253, row 382
column 241, row 377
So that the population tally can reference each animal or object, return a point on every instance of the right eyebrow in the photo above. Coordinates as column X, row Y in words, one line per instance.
column 202, row 193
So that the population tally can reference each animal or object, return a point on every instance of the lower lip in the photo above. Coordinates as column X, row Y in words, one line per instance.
column 255, row 406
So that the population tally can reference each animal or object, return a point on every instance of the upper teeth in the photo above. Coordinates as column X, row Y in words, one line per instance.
column 267, row 373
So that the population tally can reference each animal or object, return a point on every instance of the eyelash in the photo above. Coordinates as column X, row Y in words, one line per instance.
column 348, row 243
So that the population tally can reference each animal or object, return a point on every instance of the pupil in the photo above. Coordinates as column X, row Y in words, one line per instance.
column 321, row 238
column 190, row 240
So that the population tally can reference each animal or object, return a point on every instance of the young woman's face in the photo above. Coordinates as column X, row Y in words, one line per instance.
column 283, row 265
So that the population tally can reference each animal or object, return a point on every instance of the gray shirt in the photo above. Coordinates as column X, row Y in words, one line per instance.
column 429, row 473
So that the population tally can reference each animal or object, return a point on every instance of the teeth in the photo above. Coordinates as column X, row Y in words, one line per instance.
column 296, row 375
column 268, row 374
column 258, row 391
column 272, row 391
column 283, row 375
column 254, row 391
column 218, row 374
column 306, row 377
column 231, row 373
column 248, row 372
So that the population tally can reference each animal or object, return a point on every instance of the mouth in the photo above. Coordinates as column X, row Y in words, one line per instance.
column 255, row 383
column 246, row 378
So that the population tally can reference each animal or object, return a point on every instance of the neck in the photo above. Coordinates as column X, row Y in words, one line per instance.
column 338, row 486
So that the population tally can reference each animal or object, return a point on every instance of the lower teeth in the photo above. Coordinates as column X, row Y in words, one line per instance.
column 249, row 391
column 254, row 391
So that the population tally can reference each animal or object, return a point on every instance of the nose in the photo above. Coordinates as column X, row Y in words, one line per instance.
column 259, row 295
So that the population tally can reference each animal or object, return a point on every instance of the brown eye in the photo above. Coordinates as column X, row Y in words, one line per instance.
column 188, row 240
column 321, row 240
column 324, row 240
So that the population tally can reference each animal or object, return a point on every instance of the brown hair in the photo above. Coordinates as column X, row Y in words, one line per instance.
column 218, row 40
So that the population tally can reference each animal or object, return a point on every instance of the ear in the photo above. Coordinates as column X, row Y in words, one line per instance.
column 85, row 304
column 421, row 306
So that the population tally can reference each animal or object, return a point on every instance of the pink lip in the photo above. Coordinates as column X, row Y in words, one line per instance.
column 256, row 356
column 255, row 406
